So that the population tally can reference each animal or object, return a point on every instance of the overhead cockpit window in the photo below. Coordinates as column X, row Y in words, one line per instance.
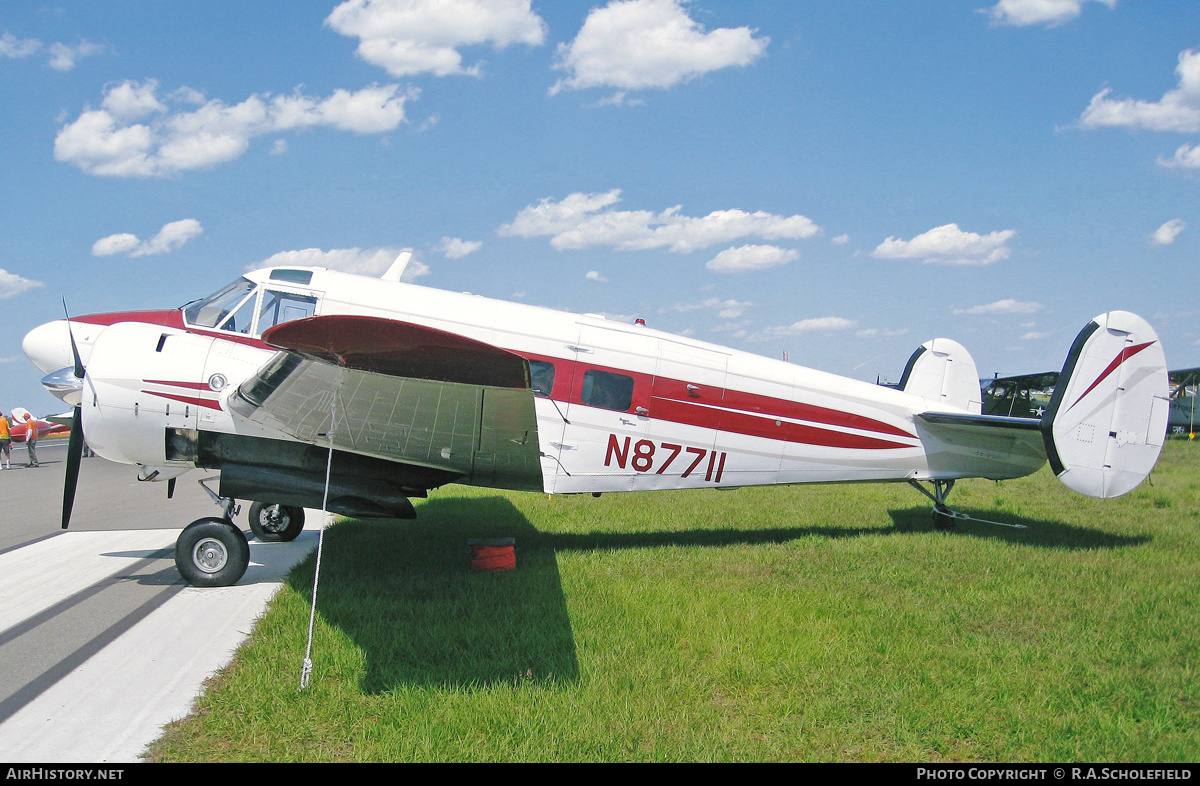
column 280, row 307
column 302, row 277
column 210, row 311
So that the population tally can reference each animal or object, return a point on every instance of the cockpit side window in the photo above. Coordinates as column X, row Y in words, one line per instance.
column 242, row 320
column 210, row 311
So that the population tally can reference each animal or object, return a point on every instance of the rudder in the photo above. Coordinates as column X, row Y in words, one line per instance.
column 1107, row 419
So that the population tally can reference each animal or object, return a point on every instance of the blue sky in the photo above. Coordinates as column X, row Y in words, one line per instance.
column 838, row 180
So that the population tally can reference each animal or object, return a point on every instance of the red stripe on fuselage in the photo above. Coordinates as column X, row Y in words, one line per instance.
column 738, row 412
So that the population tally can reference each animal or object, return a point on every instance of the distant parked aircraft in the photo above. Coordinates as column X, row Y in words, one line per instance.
column 45, row 427
column 1028, row 396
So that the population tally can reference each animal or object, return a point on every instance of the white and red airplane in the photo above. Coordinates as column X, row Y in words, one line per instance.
column 306, row 385
column 45, row 428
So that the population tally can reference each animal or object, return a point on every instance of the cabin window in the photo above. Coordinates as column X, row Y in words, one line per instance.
column 607, row 390
column 280, row 307
column 541, row 377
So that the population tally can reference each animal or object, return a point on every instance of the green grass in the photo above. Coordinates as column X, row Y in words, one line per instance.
column 805, row 623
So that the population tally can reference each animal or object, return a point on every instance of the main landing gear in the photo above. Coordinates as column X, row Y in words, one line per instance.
column 274, row 523
column 214, row 552
column 943, row 517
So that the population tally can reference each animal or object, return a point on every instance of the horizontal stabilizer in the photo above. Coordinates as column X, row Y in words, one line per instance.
column 1107, row 420
column 959, row 444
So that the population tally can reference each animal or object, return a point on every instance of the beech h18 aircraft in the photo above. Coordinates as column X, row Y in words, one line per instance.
column 307, row 387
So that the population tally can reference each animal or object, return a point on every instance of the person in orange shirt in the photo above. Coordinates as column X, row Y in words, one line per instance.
column 5, row 441
column 31, row 435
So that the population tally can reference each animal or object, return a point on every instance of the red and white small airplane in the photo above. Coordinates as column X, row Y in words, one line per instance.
column 304, row 385
column 45, row 428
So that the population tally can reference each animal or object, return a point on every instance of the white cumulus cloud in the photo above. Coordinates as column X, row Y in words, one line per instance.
column 135, row 133
column 169, row 238
column 16, row 48
column 455, row 248
column 1165, row 235
column 1039, row 12
column 63, row 56
column 588, row 220
column 638, row 44
column 948, row 245
column 812, row 325
column 408, row 37
column 12, row 285
column 744, row 259
column 1006, row 306
column 362, row 261
column 1178, row 109
column 1186, row 157
column 726, row 309
column 594, row 275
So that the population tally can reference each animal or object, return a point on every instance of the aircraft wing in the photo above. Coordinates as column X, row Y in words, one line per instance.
column 1183, row 378
column 401, row 392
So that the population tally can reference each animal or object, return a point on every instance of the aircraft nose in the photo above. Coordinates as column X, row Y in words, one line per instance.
column 48, row 346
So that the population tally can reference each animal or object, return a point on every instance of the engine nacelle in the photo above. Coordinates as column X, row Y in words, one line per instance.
column 141, row 381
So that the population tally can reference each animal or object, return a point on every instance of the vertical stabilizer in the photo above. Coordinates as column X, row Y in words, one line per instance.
column 943, row 371
column 1107, row 420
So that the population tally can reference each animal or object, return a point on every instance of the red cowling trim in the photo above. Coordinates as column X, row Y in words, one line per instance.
column 172, row 318
column 400, row 349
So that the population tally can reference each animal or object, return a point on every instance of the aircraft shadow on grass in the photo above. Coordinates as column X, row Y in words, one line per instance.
column 407, row 595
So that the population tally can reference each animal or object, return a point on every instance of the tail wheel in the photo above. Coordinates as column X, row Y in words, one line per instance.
column 943, row 518
column 211, row 552
column 272, row 523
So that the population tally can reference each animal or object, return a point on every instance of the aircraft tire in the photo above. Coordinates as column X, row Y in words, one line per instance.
column 276, row 523
column 211, row 552
column 942, row 519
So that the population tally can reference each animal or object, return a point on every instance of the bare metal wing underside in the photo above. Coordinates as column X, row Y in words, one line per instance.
column 400, row 392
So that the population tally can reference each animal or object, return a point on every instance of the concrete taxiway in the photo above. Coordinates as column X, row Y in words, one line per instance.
column 101, row 642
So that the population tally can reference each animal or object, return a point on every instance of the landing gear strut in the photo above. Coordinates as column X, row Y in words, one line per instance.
column 943, row 517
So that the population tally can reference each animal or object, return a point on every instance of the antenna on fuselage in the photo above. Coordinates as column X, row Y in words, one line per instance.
column 397, row 269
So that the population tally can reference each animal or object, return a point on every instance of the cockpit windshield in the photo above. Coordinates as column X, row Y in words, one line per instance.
column 212, row 309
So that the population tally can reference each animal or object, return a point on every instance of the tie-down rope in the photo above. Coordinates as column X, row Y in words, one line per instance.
column 306, row 668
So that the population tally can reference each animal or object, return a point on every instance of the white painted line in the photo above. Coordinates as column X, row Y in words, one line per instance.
column 34, row 578
column 114, row 705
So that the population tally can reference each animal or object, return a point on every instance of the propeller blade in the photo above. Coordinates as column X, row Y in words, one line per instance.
column 74, row 349
column 74, row 457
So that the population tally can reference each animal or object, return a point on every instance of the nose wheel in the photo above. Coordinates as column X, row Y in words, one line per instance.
column 212, row 552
